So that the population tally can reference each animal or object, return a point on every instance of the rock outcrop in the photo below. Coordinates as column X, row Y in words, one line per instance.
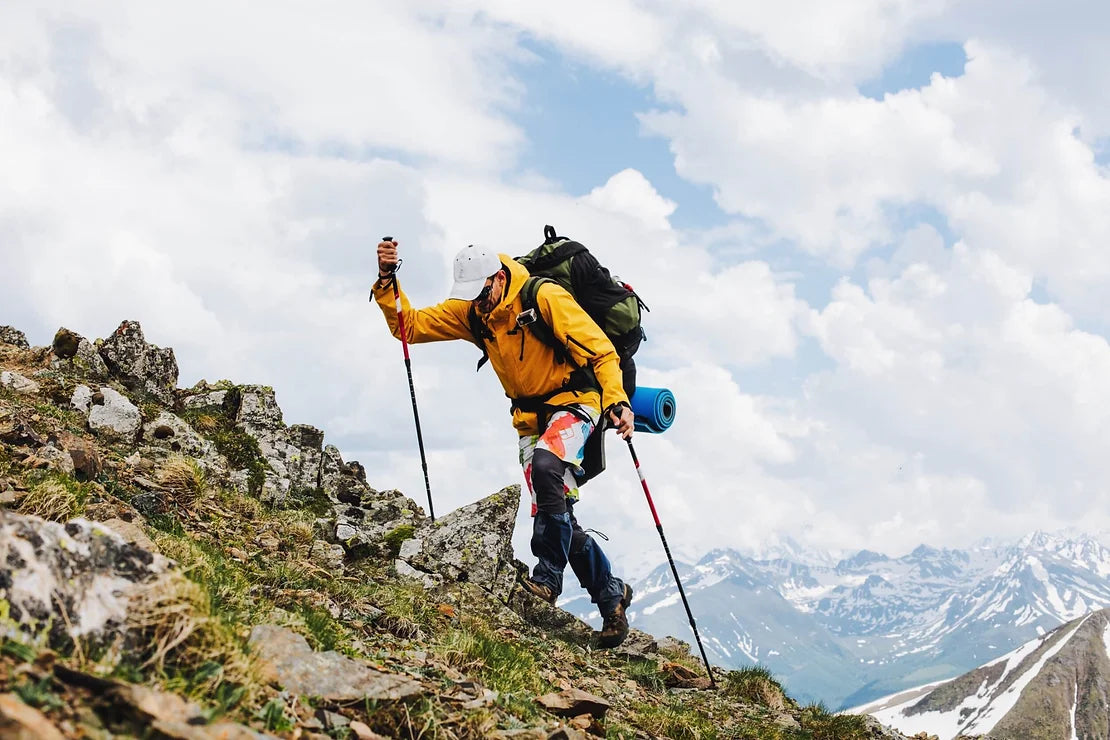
column 140, row 366
column 287, row 660
column 472, row 543
column 16, row 338
column 62, row 582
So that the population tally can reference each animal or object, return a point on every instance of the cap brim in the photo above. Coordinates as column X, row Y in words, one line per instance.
column 467, row 290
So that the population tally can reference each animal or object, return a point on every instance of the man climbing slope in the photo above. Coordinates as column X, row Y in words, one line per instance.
column 555, row 404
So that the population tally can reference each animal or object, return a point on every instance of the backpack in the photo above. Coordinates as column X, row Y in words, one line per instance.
column 613, row 305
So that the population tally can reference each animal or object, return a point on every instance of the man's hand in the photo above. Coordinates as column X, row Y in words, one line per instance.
column 387, row 258
column 622, row 418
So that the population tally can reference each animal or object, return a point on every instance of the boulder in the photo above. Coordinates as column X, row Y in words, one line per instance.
column 285, row 658
column 171, row 433
column 15, row 382
column 140, row 366
column 68, row 581
column 13, row 336
column 83, row 453
column 294, row 454
column 369, row 528
column 75, row 354
column 82, row 399
column 574, row 702
column 472, row 543
column 117, row 418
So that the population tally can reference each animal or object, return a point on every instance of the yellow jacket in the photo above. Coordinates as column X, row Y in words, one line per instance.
column 526, row 366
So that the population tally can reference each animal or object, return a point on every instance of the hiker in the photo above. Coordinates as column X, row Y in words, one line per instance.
column 555, row 405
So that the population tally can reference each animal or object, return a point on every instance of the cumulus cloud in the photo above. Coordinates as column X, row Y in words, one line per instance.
column 222, row 176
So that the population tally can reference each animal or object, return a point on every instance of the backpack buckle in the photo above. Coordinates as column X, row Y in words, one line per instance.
column 524, row 318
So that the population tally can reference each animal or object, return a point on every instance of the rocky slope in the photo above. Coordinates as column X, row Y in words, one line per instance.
column 1055, row 686
column 181, row 563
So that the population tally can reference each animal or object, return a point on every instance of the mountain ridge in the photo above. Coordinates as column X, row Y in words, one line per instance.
column 878, row 623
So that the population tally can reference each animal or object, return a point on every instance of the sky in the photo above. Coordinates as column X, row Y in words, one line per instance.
column 874, row 236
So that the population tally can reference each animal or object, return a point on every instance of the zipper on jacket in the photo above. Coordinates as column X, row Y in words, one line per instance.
column 585, row 349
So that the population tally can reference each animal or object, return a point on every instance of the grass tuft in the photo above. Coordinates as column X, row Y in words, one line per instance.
column 501, row 664
column 184, row 478
column 670, row 718
column 177, row 635
column 646, row 673
column 821, row 724
column 55, row 497
column 757, row 685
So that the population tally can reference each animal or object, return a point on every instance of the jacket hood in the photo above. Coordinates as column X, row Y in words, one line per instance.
column 518, row 273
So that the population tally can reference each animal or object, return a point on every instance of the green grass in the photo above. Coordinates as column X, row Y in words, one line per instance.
column 227, row 583
column 756, row 685
column 818, row 723
column 501, row 664
column 19, row 650
column 670, row 717
column 54, row 496
column 396, row 537
column 39, row 694
column 240, row 448
column 646, row 673
column 325, row 632
column 273, row 716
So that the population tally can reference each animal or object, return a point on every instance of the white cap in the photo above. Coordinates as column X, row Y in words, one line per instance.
column 473, row 264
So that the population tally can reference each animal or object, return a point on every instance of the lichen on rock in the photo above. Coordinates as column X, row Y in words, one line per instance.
column 140, row 366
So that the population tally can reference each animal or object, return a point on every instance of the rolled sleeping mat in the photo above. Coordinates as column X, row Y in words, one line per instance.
column 654, row 409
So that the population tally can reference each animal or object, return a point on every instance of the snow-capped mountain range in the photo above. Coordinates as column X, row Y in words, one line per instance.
column 868, row 625
column 1056, row 685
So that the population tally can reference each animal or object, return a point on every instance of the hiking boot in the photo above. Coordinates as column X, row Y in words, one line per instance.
column 539, row 590
column 615, row 628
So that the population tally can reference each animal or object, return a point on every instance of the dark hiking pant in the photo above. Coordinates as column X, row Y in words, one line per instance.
column 557, row 538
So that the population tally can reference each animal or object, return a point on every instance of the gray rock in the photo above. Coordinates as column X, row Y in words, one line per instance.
column 141, row 366
column 286, row 659
column 428, row 580
column 59, row 460
column 208, row 400
column 170, row 431
column 13, row 336
column 472, row 543
column 82, row 399
column 327, row 555
column 14, row 381
column 69, row 581
column 379, row 515
column 294, row 454
column 75, row 354
column 116, row 418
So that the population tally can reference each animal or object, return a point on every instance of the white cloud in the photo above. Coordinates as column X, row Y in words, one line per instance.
column 222, row 174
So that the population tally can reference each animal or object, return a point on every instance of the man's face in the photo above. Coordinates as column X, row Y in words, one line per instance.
column 491, row 293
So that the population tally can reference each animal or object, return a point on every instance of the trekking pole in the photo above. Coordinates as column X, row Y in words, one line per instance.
column 674, row 570
column 412, row 388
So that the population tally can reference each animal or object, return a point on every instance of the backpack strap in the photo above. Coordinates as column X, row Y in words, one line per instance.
column 582, row 378
column 479, row 334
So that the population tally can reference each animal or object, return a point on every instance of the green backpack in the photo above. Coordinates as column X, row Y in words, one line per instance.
column 613, row 305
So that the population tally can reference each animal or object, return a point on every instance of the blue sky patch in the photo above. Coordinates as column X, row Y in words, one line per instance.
column 582, row 128
column 913, row 69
